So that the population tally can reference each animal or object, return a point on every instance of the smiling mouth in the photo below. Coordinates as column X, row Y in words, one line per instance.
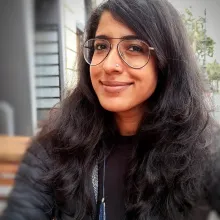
column 115, row 86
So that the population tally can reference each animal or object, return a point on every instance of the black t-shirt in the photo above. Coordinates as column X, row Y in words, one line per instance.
column 116, row 168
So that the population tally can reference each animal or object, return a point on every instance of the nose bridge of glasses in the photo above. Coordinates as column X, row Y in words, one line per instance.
column 114, row 51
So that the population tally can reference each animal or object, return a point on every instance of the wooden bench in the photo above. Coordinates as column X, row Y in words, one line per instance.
column 12, row 150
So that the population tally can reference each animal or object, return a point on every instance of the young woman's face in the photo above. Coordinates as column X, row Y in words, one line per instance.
column 118, row 86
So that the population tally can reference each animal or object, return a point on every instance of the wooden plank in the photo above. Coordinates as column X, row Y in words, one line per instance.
column 8, row 167
column 6, row 182
column 13, row 148
column 3, row 198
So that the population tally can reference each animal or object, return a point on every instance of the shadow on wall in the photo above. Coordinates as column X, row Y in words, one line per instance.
column 6, row 119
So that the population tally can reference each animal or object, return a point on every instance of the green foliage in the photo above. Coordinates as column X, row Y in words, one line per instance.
column 202, row 44
column 213, row 70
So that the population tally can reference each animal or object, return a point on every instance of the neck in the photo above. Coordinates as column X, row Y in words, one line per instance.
column 128, row 121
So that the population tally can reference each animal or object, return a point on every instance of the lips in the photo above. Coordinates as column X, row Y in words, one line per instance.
column 115, row 86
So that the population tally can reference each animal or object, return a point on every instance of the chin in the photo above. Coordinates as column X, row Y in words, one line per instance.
column 115, row 107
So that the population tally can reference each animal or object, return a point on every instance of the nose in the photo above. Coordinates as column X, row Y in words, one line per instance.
column 113, row 58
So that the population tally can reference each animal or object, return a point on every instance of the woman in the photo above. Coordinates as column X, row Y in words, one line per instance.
column 134, row 139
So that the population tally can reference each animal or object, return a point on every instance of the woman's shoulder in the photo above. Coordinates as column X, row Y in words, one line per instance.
column 38, row 155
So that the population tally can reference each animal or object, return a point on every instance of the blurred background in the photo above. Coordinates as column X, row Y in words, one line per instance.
column 39, row 43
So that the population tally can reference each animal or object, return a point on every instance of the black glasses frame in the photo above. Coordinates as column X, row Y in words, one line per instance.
column 120, row 54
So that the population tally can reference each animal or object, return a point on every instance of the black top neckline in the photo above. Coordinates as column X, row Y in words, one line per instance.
column 124, row 140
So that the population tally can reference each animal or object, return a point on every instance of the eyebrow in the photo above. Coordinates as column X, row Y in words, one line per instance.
column 126, row 37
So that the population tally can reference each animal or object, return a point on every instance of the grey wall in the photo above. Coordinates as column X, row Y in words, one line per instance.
column 16, row 63
column 47, row 12
column 49, row 51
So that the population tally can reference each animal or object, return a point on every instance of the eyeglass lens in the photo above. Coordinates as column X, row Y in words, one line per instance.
column 133, row 51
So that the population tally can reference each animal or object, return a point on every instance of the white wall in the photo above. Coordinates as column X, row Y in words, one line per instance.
column 72, row 12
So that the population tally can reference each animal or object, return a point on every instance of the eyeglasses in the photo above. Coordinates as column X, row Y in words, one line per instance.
column 134, row 52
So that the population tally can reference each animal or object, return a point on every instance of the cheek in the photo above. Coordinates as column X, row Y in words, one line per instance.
column 151, row 80
column 152, row 76
column 93, row 75
column 147, row 88
column 148, row 81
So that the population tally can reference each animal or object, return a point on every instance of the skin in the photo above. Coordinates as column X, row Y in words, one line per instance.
column 126, row 104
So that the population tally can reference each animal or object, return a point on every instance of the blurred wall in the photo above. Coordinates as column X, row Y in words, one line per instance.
column 73, row 19
column 16, row 62
column 48, row 56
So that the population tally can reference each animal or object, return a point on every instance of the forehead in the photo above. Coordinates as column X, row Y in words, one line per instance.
column 112, row 28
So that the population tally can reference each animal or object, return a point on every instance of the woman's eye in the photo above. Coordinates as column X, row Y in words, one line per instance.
column 135, row 48
column 100, row 47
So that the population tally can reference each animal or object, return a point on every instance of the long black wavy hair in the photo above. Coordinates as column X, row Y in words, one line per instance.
column 166, row 171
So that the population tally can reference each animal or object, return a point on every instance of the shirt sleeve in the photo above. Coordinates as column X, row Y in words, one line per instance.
column 31, row 197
